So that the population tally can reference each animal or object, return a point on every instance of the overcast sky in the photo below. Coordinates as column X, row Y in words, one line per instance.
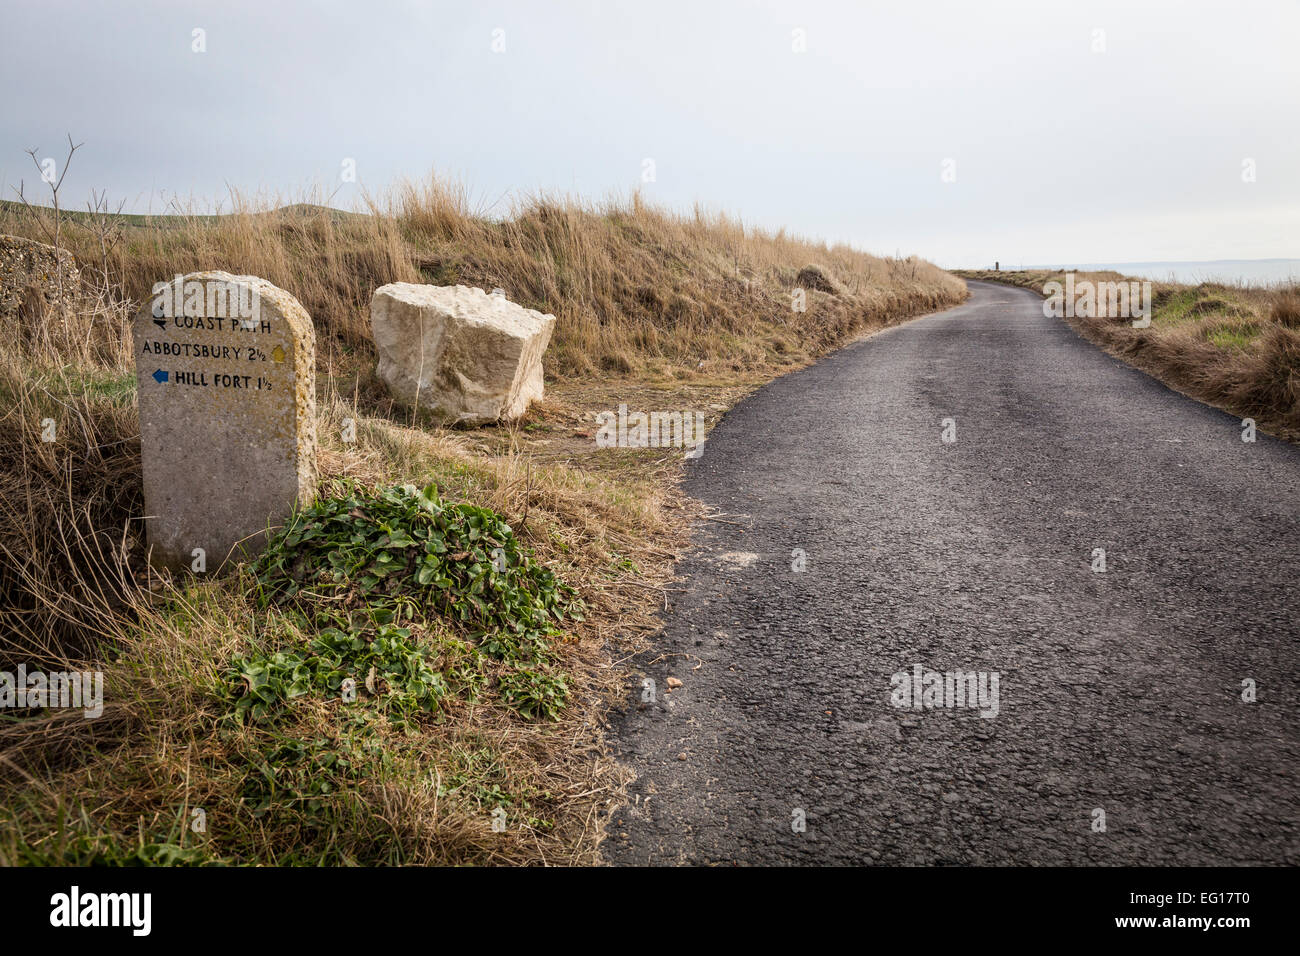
column 1060, row 152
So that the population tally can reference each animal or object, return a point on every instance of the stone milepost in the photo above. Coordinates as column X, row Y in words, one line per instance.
column 226, row 371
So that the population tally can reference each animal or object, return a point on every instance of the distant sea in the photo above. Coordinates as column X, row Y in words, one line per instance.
column 1227, row 271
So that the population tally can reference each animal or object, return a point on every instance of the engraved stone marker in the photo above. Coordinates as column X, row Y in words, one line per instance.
column 226, row 370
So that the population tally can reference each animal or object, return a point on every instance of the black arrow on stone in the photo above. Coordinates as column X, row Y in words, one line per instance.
column 161, row 323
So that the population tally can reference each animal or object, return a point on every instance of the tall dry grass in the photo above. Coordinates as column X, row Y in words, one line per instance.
column 630, row 284
column 70, row 500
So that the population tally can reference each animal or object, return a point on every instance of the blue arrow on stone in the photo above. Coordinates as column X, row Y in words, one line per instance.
column 160, row 376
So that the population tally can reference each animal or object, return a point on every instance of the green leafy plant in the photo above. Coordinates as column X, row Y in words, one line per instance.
column 461, row 559
column 535, row 693
column 365, row 569
column 386, row 665
column 307, row 774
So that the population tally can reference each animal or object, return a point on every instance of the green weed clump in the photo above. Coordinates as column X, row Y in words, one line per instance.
column 422, row 600
column 404, row 542
column 387, row 664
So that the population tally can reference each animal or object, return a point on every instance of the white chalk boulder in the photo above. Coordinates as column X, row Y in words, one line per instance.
column 469, row 357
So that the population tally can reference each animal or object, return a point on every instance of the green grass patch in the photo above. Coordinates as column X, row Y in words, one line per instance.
column 75, row 840
column 1176, row 307
column 1233, row 336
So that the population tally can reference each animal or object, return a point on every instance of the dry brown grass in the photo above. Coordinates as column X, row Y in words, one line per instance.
column 69, row 480
column 1235, row 347
column 633, row 287
column 692, row 309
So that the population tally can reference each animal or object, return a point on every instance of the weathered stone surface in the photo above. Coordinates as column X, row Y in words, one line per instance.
column 29, row 275
column 469, row 357
column 226, row 369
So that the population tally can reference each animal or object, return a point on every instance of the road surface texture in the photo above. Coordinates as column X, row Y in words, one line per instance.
column 1120, row 692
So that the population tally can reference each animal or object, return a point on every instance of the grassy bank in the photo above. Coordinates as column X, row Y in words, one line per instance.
column 1234, row 347
column 480, row 688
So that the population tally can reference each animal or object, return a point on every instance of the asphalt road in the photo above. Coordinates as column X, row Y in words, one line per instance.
column 1118, row 691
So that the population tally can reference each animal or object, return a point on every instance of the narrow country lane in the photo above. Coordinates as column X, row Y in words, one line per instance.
column 1119, row 692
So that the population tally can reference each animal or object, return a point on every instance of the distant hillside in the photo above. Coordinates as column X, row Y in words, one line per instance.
column 13, row 209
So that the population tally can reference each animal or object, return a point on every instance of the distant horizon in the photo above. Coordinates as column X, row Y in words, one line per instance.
column 1172, row 262
column 1006, row 266
column 1267, row 271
